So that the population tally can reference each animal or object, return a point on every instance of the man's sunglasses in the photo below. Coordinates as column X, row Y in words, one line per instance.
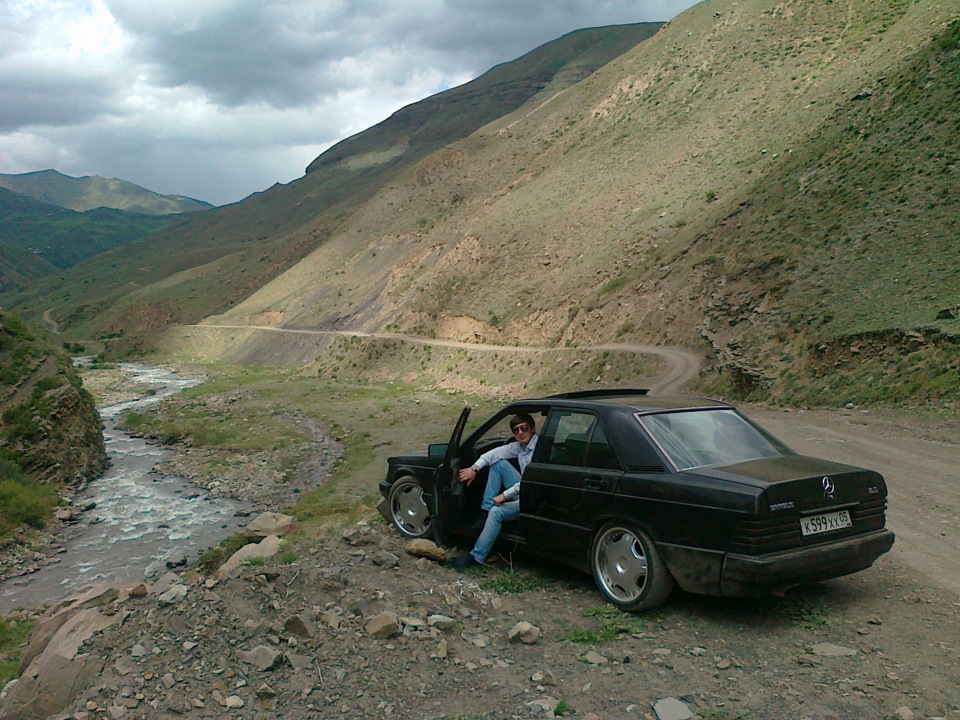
column 521, row 428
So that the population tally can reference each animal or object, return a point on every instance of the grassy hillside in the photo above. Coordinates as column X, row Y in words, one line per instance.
column 91, row 192
column 183, row 274
column 21, row 267
column 59, row 238
column 768, row 182
column 49, row 427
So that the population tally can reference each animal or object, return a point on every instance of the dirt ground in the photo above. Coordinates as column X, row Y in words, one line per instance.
column 884, row 643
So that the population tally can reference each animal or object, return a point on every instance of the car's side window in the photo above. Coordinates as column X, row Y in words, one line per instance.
column 601, row 454
column 575, row 439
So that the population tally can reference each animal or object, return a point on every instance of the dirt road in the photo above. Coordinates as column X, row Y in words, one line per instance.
column 920, row 461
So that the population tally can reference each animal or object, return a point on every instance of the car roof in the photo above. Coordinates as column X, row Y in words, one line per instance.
column 632, row 400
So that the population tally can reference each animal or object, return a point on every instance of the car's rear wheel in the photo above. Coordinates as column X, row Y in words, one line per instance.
column 628, row 569
column 408, row 508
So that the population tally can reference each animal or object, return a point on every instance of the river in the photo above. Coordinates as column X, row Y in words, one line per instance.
column 139, row 520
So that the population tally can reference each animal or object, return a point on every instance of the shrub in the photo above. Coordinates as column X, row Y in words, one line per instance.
column 25, row 503
column 13, row 639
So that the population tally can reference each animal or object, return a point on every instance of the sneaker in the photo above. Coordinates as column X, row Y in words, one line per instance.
column 462, row 562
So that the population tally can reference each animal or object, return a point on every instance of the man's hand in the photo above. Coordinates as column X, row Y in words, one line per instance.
column 467, row 475
column 500, row 499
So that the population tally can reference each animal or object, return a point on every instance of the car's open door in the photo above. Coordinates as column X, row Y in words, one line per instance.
column 447, row 490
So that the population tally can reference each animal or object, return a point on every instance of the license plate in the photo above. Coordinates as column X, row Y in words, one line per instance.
column 816, row 524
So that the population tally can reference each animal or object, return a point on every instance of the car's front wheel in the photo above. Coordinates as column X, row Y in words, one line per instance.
column 409, row 512
column 628, row 569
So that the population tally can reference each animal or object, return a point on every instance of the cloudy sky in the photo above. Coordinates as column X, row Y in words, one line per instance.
column 216, row 99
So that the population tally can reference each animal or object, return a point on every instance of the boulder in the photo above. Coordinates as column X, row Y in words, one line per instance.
column 268, row 547
column 59, row 673
column 383, row 625
column 524, row 632
column 425, row 548
column 57, row 615
column 271, row 523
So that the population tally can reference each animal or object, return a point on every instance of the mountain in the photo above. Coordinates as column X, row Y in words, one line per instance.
column 771, row 185
column 36, row 238
column 91, row 192
column 222, row 256
column 416, row 130
column 20, row 267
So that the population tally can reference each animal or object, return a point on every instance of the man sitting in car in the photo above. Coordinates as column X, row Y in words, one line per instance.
column 501, row 496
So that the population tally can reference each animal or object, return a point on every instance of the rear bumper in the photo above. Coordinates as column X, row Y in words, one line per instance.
column 750, row 575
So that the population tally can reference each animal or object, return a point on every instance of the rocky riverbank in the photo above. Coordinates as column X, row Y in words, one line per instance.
column 352, row 625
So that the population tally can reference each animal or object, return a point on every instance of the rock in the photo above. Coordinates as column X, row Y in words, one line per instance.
column 441, row 622
column 544, row 678
column 268, row 547
column 524, row 632
column 332, row 618
column 173, row 595
column 58, row 615
column 360, row 535
column 299, row 625
column 65, row 514
column 594, row 658
column 383, row 625
column 831, row 650
column 426, row 549
column 59, row 673
column 385, row 559
column 904, row 713
column 671, row 709
column 271, row 523
column 175, row 561
column 261, row 657
column 165, row 582
column 544, row 705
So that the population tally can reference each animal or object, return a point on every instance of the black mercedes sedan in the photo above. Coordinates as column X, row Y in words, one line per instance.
column 647, row 493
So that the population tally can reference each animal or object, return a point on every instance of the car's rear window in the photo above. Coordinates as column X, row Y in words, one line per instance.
column 694, row 438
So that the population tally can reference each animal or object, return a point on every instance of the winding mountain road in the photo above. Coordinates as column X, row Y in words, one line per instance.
column 680, row 366
column 920, row 459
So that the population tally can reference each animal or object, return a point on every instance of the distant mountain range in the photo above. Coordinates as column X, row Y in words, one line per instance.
column 92, row 191
column 50, row 221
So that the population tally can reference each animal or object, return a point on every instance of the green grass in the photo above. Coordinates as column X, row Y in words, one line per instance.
column 14, row 636
column 512, row 582
column 612, row 623
column 23, row 501
column 804, row 612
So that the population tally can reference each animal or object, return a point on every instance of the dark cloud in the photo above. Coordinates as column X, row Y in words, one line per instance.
column 220, row 98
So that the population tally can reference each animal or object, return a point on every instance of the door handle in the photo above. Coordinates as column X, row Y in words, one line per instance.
column 593, row 483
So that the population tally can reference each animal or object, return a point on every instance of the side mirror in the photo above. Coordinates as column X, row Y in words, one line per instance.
column 437, row 449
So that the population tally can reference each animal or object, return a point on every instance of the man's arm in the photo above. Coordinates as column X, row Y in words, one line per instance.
column 512, row 492
column 504, row 452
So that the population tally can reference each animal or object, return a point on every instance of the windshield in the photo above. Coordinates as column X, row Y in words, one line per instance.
column 693, row 438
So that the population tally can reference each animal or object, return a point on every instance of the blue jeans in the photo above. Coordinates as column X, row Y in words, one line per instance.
column 502, row 476
column 498, row 515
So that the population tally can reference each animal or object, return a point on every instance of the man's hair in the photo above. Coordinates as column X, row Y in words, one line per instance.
column 520, row 418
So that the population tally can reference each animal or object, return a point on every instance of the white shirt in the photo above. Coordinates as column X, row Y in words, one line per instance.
column 510, row 450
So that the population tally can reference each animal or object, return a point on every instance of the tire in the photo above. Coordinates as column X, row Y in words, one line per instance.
column 628, row 568
column 409, row 512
